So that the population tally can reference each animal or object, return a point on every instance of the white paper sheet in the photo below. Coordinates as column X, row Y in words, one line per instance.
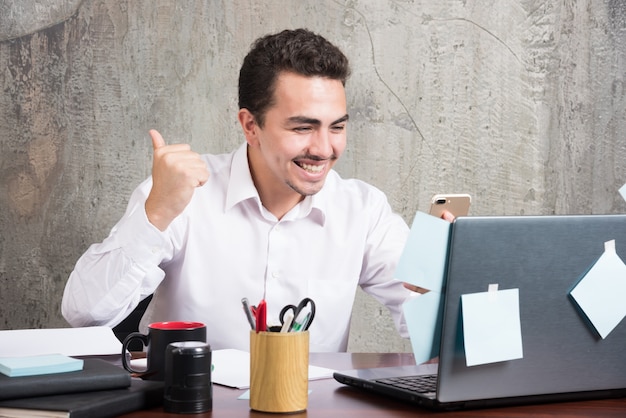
column 86, row 341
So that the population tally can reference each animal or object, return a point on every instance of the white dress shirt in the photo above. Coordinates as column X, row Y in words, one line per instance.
column 226, row 246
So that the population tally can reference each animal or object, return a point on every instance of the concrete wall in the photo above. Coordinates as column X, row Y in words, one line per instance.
column 520, row 103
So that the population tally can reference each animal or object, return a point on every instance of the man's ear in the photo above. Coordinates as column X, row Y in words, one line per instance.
column 249, row 126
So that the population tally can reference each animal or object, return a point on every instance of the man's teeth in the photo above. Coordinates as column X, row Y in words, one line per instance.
column 312, row 168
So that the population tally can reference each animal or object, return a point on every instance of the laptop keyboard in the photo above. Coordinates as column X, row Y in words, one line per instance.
column 420, row 384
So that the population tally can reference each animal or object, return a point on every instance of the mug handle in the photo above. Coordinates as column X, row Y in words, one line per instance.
column 127, row 341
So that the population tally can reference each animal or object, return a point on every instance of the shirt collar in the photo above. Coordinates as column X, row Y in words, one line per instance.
column 318, row 202
column 241, row 188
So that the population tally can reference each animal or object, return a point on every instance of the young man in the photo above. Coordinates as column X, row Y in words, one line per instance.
column 270, row 220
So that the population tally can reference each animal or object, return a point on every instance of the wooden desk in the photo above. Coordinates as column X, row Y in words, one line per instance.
column 329, row 398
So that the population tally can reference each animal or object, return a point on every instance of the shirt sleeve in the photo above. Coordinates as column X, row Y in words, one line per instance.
column 385, row 243
column 112, row 277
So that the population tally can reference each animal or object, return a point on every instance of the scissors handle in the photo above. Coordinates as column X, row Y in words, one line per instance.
column 309, row 301
column 284, row 311
column 303, row 315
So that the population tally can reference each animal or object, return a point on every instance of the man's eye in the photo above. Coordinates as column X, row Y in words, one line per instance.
column 302, row 129
column 338, row 128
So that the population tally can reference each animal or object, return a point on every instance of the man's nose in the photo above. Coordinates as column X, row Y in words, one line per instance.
column 321, row 144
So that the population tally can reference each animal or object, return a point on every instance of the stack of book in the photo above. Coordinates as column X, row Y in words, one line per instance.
column 99, row 389
column 58, row 385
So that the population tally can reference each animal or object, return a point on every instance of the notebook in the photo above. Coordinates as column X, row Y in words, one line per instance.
column 141, row 394
column 564, row 357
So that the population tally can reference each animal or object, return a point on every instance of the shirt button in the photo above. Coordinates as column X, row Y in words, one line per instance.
column 275, row 274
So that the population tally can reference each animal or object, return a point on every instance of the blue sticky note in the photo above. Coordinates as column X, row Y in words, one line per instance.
column 423, row 263
column 492, row 329
column 601, row 293
column 423, row 318
column 423, row 259
column 35, row 365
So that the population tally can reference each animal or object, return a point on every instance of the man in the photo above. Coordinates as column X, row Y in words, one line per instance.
column 271, row 220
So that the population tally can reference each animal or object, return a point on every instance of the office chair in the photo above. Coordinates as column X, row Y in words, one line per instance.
column 131, row 324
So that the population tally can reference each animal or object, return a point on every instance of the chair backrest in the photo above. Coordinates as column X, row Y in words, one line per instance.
column 131, row 324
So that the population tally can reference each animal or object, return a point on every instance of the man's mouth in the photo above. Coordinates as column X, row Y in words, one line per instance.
column 311, row 168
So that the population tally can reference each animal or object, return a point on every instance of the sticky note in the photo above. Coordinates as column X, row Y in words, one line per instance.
column 423, row 263
column 423, row 258
column 601, row 292
column 41, row 364
column 491, row 326
column 622, row 191
column 423, row 318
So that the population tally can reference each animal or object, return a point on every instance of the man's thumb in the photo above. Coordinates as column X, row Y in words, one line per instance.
column 157, row 139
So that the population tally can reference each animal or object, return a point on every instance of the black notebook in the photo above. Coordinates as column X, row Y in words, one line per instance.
column 141, row 394
column 96, row 374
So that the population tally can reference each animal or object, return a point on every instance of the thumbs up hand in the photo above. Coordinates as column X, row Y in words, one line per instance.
column 176, row 172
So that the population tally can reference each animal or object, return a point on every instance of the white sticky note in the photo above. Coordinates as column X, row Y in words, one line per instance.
column 492, row 329
column 601, row 293
column 622, row 191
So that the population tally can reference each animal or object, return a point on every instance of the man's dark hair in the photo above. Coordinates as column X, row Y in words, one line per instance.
column 298, row 51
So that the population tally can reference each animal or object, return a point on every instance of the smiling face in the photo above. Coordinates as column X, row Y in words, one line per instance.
column 303, row 135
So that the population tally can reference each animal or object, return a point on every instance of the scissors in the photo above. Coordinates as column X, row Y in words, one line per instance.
column 298, row 318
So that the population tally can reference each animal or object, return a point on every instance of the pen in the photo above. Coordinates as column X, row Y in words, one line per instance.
column 300, row 322
column 288, row 320
column 260, row 313
column 248, row 312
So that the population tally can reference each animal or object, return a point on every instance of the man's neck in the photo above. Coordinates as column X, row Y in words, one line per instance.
column 279, row 207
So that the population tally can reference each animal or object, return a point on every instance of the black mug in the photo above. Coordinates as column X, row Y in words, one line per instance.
column 160, row 334
column 188, row 387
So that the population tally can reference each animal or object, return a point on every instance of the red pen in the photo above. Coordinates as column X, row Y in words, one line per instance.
column 260, row 313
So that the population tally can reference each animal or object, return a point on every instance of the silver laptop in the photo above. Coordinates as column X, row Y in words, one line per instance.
column 564, row 358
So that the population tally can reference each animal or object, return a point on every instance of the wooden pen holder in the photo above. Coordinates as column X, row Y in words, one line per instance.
column 279, row 371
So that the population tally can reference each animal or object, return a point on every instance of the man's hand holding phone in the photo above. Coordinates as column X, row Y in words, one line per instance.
column 449, row 206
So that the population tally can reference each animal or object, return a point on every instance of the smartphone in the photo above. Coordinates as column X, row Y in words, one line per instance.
column 457, row 204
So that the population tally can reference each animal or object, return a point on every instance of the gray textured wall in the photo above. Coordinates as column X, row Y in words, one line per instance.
column 520, row 103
